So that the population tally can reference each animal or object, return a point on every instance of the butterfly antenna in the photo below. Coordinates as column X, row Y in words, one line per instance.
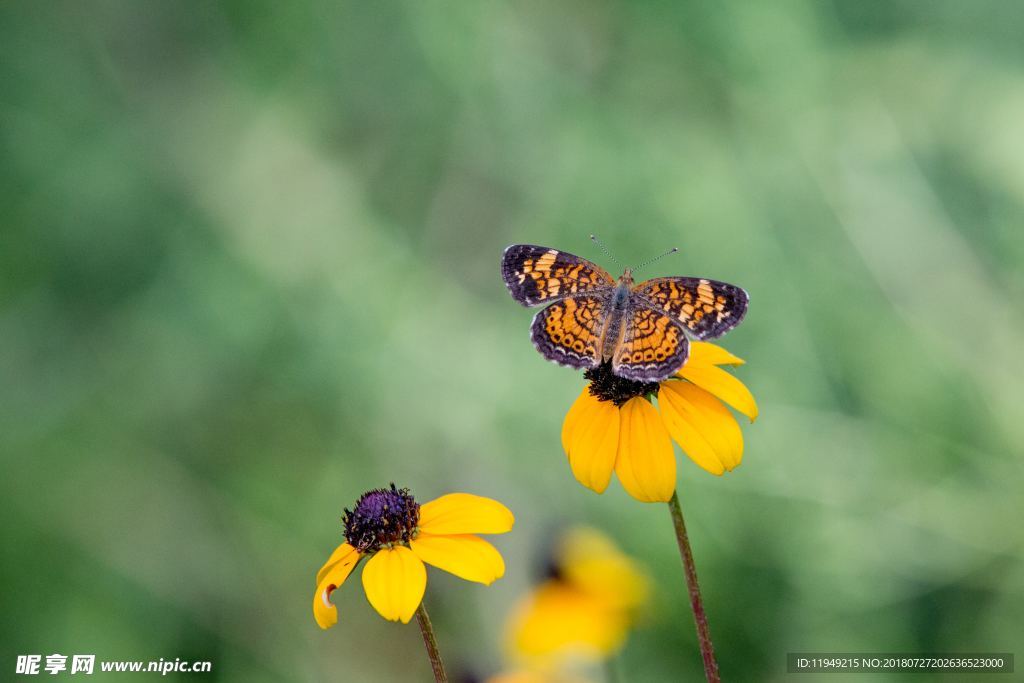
column 605, row 250
column 656, row 258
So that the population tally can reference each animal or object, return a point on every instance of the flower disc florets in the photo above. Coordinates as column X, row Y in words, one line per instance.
column 605, row 385
column 383, row 517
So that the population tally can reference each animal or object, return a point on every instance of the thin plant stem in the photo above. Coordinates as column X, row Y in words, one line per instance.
column 430, row 642
column 707, row 650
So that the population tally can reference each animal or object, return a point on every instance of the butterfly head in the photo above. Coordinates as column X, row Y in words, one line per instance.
column 622, row 289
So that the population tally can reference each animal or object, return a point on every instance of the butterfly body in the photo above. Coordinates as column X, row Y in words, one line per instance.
column 614, row 327
column 590, row 318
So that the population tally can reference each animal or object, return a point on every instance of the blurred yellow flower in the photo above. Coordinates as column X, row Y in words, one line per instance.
column 614, row 426
column 534, row 676
column 586, row 610
column 399, row 535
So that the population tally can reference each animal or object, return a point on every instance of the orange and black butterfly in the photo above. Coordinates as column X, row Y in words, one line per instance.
column 641, row 329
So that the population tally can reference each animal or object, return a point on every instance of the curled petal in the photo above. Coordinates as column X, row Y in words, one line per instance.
column 703, row 427
column 394, row 580
column 464, row 513
column 468, row 557
column 340, row 553
column 646, row 465
column 723, row 385
column 706, row 353
column 324, row 611
column 590, row 436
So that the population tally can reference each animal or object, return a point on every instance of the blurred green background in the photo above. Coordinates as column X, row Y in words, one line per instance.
column 249, row 260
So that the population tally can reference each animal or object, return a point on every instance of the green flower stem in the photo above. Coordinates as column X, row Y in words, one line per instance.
column 430, row 642
column 707, row 650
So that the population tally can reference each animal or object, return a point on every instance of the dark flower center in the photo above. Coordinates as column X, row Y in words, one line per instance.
column 605, row 385
column 552, row 570
column 382, row 517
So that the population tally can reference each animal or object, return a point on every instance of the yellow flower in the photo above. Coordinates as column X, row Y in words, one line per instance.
column 614, row 426
column 535, row 676
column 532, row 676
column 590, row 560
column 584, row 611
column 399, row 535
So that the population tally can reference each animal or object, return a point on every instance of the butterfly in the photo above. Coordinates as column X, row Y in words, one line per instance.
column 591, row 318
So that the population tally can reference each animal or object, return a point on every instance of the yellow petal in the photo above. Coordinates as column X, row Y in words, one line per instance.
column 706, row 353
column 395, row 580
column 324, row 611
column 590, row 561
column 680, row 421
column 724, row 386
column 468, row 557
column 646, row 465
column 572, row 418
column 558, row 619
column 464, row 513
column 593, row 441
column 340, row 553
column 524, row 676
column 703, row 427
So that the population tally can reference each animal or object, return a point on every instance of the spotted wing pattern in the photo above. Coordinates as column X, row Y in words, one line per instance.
column 568, row 332
column 536, row 275
column 653, row 346
column 707, row 308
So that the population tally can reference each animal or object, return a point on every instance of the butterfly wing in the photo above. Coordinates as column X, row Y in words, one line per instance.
column 536, row 275
column 707, row 308
column 653, row 345
column 568, row 332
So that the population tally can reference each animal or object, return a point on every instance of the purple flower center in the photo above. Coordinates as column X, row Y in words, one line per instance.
column 381, row 517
